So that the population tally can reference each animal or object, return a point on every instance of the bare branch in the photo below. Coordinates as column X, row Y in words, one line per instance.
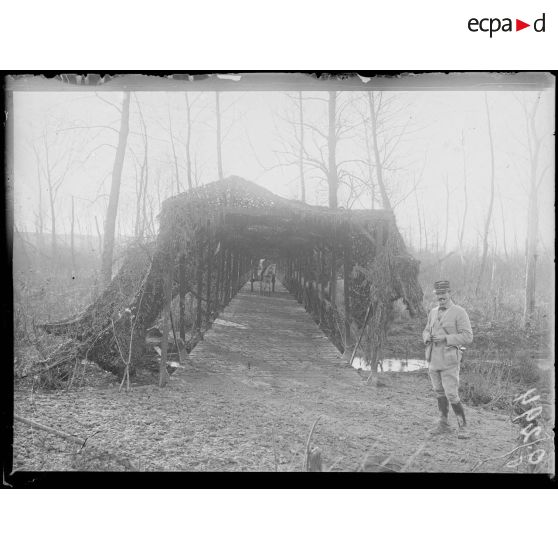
column 108, row 102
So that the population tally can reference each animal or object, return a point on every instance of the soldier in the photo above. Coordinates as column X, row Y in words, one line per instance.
column 447, row 329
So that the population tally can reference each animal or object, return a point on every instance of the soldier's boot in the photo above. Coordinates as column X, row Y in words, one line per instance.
column 443, row 424
column 463, row 431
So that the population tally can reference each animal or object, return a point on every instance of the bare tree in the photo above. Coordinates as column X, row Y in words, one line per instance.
column 301, row 148
column 375, row 106
column 188, row 140
column 338, row 127
column 57, row 162
column 218, row 137
column 72, row 239
column 99, row 237
column 174, row 158
column 461, row 232
column 488, row 219
column 445, row 244
column 418, row 218
column 370, row 164
column 332, row 177
column 504, row 240
column 142, row 184
column 292, row 152
column 112, row 209
column 39, row 215
column 536, row 175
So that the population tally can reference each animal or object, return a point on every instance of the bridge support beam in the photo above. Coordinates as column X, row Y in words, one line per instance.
column 182, row 295
column 347, row 269
column 199, row 271
column 209, row 271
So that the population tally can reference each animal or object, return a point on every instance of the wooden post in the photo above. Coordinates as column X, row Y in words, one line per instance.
column 306, row 283
column 209, row 261
column 230, row 276
column 235, row 274
column 299, row 289
column 199, row 271
column 182, row 296
column 347, row 268
column 174, row 335
column 167, row 297
column 321, row 271
column 226, row 294
column 288, row 271
column 219, row 280
column 333, row 278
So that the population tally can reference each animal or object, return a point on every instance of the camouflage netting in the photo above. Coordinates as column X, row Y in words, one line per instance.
column 209, row 241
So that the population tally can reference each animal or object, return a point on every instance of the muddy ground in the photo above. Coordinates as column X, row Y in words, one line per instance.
column 245, row 401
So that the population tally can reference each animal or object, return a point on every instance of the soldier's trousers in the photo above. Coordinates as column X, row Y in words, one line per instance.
column 446, row 382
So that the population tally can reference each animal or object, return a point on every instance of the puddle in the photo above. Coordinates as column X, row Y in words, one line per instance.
column 219, row 321
column 393, row 365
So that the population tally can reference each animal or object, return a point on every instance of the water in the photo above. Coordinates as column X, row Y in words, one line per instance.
column 219, row 321
column 393, row 365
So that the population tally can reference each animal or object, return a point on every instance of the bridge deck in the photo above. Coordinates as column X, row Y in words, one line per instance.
column 264, row 339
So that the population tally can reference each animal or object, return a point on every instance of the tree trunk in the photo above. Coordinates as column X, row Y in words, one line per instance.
column 219, row 154
column 491, row 202
column 227, row 278
column 112, row 210
column 347, row 268
column 72, row 240
column 176, row 174
column 141, row 215
column 379, row 174
column 532, row 217
column 53, row 244
column 331, row 144
column 182, row 296
column 445, row 245
column 419, row 221
column 333, row 279
column 51, row 195
column 208, row 278
column 99, row 237
column 504, row 240
column 188, row 137
column 40, row 226
column 199, row 271
column 301, row 149
column 167, row 293
column 369, row 165
column 466, row 201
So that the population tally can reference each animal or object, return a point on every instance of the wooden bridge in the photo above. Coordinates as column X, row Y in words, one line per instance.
column 266, row 339
column 264, row 372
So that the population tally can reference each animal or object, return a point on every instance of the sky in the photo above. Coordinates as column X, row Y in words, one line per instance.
column 443, row 138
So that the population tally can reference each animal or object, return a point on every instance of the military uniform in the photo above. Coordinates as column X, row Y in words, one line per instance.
column 451, row 325
column 445, row 356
